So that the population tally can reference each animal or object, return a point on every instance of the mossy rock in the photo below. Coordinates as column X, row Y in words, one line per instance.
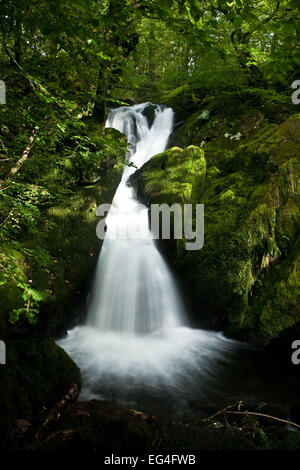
column 246, row 278
column 174, row 176
column 37, row 374
column 277, row 305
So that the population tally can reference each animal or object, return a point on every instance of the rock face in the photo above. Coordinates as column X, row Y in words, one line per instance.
column 246, row 279
column 175, row 176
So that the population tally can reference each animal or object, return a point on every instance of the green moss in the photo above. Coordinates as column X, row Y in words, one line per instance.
column 279, row 142
column 212, row 172
column 277, row 304
column 175, row 176
column 176, row 91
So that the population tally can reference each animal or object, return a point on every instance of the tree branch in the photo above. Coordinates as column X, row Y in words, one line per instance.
column 25, row 154
column 227, row 410
column 252, row 413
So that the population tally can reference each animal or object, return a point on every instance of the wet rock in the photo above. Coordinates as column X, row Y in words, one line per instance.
column 149, row 113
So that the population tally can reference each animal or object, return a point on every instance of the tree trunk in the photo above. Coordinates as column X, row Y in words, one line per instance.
column 99, row 110
column 240, row 43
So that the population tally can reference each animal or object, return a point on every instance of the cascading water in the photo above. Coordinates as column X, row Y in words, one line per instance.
column 133, row 291
column 136, row 348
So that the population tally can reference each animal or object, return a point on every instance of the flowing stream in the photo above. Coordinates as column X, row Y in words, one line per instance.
column 136, row 347
column 134, row 292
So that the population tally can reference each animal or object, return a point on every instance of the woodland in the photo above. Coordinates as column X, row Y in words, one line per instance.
column 231, row 72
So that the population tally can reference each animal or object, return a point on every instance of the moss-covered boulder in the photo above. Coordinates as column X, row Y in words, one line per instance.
column 174, row 176
column 246, row 277
column 37, row 374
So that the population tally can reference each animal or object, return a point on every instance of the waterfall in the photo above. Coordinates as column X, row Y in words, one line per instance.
column 133, row 291
column 136, row 347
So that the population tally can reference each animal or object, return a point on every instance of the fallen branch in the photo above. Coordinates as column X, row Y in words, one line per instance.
column 25, row 154
column 252, row 413
column 228, row 410
column 223, row 411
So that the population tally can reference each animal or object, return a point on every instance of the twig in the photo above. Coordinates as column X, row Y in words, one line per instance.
column 252, row 413
column 224, row 410
column 10, row 213
column 3, row 146
column 228, row 410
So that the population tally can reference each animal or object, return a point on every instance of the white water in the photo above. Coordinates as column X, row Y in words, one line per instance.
column 136, row 345
column 133, row 291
